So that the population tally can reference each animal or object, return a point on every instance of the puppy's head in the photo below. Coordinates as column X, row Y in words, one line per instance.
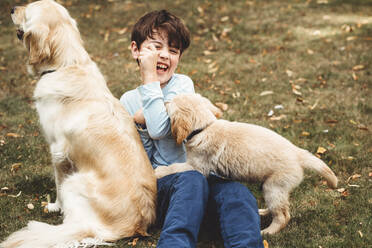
column 189, row 112
column 38, row 26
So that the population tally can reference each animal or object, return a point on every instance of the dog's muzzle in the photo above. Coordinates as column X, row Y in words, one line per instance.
column 20, row 34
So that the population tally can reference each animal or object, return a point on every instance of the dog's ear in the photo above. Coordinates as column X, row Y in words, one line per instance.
column 181, row 126
column 36, row 41
column 215, row 111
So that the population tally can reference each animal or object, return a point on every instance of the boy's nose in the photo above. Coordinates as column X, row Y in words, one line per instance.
column 164, row 53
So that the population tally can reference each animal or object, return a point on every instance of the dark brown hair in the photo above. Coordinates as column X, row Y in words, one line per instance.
column 162, row 21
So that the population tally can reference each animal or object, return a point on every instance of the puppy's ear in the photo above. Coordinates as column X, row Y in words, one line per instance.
column 215, row 111
column 36, row 41
column 181, row 126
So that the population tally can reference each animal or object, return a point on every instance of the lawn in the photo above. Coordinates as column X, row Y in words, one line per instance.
column 299, row 67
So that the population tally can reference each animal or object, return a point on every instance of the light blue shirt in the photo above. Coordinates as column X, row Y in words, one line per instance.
column 157, row 139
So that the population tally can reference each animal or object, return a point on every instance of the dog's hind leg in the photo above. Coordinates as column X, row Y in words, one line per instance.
column 276, row 195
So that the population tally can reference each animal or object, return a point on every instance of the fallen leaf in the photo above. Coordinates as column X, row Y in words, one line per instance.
column 362, row 127
column 225, row 19
column 370, row 174
column 222, row 106
column 13, row 135
column 265, row 244
column 266, row 92
column 353, row 122
column 278, row 118
column 17, row 195
column 321, row 150
column 289, row 73
column 30, row 206
column 358, row 67
column 15, row 167
column 355, row 77
column 360, row 234
column 271, row 113
column 304, row 133
column 341, row 190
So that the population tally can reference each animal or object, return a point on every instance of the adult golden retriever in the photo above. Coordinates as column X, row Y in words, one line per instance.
column 241, row 152
column 106, row 187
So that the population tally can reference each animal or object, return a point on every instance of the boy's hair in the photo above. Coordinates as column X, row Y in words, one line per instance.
column 162, row 21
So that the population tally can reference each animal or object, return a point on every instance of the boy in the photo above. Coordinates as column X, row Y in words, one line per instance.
column 158, row 41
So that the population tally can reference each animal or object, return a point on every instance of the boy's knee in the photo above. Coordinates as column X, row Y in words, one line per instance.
column 193, row 181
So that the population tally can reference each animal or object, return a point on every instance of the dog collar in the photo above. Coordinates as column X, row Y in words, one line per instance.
column 195, row 132
column 46, row 72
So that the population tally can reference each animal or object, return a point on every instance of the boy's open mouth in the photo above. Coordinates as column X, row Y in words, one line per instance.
column 161, row 67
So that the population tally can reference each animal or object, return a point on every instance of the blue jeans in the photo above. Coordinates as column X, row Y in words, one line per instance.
column 183, row 198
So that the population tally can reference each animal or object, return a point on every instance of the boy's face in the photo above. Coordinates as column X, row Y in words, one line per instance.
column 167, row 59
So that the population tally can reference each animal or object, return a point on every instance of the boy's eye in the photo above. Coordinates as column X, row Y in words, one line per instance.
column 174, row 51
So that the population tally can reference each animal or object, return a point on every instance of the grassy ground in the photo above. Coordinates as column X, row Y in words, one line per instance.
column 311, row 57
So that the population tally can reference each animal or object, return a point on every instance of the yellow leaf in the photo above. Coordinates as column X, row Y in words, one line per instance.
column 13, row 135
column 30, row 206
column 304, row 133
column 222, row 106
column 353, row 122
column 321, row 150
column 266, row 92
column 15, row 167
column 358, row 67
column 266, row 244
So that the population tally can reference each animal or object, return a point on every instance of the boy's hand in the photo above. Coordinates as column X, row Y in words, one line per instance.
column 148, row 59
column 139, row 118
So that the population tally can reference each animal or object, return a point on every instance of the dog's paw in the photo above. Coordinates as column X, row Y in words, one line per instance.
column 162, row 171
column 52, row 207
column 263, row 212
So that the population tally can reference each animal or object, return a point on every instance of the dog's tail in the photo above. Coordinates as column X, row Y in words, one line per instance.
column 42, row 235
column 310, row 161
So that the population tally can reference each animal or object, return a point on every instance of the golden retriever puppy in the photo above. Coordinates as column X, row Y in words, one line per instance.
column 106, row 187
column 241, row 152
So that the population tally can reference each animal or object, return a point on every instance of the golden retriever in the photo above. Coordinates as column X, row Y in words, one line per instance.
column 241, row 152
column 106, row 187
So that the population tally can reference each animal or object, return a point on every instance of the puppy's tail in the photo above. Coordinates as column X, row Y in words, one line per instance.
column 310, row 161
column 42, row 235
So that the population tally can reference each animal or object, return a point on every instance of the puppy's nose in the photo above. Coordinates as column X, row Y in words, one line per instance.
column 12, row 10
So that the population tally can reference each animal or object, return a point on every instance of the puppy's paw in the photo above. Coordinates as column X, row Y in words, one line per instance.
column 52, row 207
column 162, row 171
column 263, row 212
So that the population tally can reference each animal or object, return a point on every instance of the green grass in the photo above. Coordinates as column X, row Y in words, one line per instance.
column 253, row 46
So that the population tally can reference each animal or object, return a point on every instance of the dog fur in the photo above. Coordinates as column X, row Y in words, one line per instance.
column 243, row 152
column 106, row 187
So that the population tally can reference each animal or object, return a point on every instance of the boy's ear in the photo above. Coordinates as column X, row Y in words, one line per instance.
column 135, row 50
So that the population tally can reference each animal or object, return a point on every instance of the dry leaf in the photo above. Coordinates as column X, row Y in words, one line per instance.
column 15, row 167
column 304, row 133
column 17, row 195
column 224, row 19
column 222, row 106
column 289, row 73
column 341, row 190
column 358, row 67
column 271, row 113
column 278, row 118
column 370, row 174
column 13, row 135
column 30, row 206
column 321, row 150
column 266, row 244
column 362, row 127
column 266, row 92
column 207, row 52
column 360, row 234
